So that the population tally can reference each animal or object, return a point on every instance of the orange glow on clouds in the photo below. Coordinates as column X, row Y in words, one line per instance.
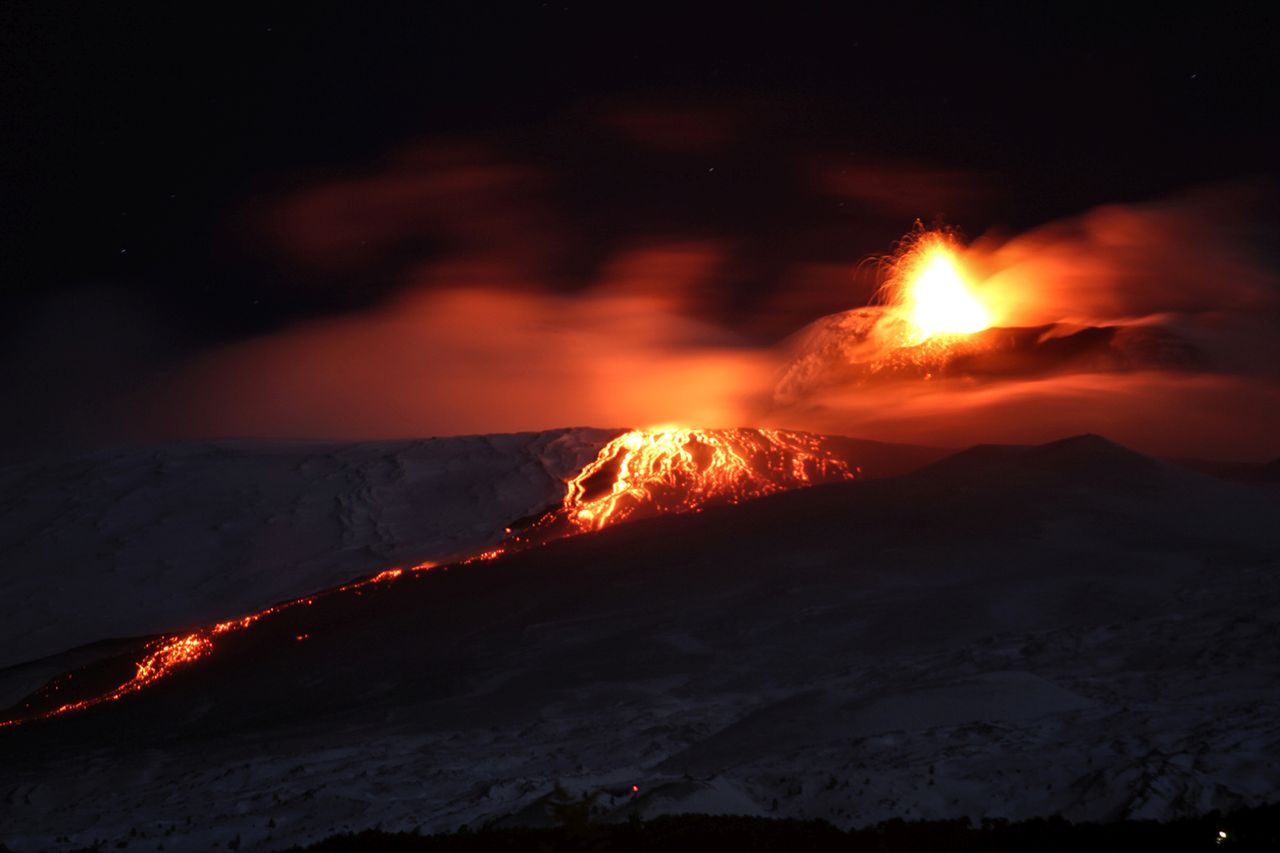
column 465, row 353
column 477, row 344
column 1121, row 263
column 1121, row 322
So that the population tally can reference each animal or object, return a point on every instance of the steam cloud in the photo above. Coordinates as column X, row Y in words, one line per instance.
column 1178, row 267
column 490, row 334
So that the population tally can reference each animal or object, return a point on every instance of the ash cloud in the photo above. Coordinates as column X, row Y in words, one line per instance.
column 1149, row 280
column 466, row 353
column 457, row 198
column 512, row 307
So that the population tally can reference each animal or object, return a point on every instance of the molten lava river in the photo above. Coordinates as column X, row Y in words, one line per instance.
column 638, row 474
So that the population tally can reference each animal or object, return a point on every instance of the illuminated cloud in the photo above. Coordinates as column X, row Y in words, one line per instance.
column 1152, row 325
column 1121, row 321
column 464, row 354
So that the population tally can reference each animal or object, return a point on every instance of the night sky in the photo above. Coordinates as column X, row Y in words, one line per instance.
column 153, row 157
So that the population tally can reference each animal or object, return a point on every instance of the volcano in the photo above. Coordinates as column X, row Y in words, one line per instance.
column 636, row 474
column 1070, row 629
column 841, row 351
column 933, row 320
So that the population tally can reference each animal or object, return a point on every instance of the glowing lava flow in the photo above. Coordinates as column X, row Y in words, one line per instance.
column 674, row 470
column 170, row 653
column 639, row 473
column 928, row 291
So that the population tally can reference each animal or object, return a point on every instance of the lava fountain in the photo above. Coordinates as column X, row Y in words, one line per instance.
column 928, row 291
column 637, row 474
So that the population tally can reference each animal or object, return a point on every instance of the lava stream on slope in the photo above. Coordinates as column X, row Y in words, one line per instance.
column 639, row 473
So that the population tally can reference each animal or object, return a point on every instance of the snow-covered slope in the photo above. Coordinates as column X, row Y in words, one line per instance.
column 134, row 542
column 1071, row 629
column 131, row 542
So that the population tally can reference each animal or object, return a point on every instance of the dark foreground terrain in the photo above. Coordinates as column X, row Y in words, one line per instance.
column 1072, row 629
column 1247, row 830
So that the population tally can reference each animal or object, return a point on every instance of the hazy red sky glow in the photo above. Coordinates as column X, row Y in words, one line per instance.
column 487, row 337
column 449, row 220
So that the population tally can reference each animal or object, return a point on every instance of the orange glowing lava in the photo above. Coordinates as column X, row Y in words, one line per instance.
column 168, row 654
column 639, row 473
column 674, row 469
column 929, row 291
